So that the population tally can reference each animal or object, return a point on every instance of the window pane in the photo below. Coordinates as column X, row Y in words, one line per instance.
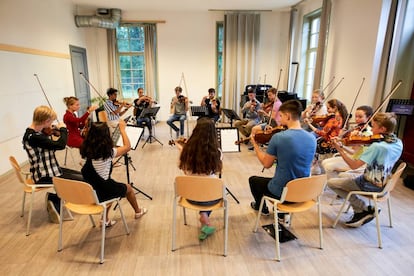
column 312, row 60
column 121, row 33
column 315, row 25
column 123, row 45
column 131, row 45
column 314, row 41
column 138, row 62
column 125, row 62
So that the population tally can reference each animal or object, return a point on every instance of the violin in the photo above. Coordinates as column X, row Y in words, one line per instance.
column 264, row 136
column 321, row 120
column 353, row 140
column 182, row 99
column 118, row 103
column 181, row 141
column 49, row 131
column 85, row 129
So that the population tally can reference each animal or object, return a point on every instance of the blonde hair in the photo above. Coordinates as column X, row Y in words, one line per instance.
column 387, row 120
column 70, row 100
column 43, row 113
column 320, row 93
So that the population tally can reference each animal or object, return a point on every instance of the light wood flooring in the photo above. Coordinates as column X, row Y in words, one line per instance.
column 147, row 250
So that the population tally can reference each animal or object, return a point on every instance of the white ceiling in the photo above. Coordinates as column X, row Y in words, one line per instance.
column 187, row 5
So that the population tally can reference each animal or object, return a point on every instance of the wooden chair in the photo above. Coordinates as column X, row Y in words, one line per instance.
column 29, row 187
column 81, row 198
column 102, row 116
column 302, row 194
column 199, row 188
column 384, row 195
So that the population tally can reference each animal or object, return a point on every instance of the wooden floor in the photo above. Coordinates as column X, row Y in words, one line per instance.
column 147, row 250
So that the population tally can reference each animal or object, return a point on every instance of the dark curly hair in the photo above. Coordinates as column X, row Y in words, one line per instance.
column 201, row 154
column 98, row 143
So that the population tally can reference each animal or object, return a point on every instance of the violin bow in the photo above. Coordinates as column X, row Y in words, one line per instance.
column 329, row 83
column 333, row 90
column 44, row 93
column 395, row 88
column 274, row 102
column 90, row 84
column 353, row 104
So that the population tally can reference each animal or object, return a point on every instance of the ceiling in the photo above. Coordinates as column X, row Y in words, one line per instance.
column 187, row 5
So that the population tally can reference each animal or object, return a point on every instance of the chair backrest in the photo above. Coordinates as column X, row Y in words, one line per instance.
column 18, row 171
column 76, row 192
column 199, row 188
column 394, row 178
column 102, row 116
column 305, row 188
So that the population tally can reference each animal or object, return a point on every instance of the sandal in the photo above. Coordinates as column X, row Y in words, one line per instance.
column 109, row 223
column 141, row 213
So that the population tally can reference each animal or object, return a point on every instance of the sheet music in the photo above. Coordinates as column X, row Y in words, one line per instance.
column 227, row 138
column 134, row 134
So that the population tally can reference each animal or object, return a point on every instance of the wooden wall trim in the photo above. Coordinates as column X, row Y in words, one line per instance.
column 31, row 51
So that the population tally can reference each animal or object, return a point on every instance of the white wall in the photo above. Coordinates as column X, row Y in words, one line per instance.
column 351, row 49
column 47, row 26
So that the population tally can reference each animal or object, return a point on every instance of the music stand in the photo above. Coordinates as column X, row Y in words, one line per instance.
column 222, row 134
column 199, row 111
column 134, row 134
column 150, row 112
column 231, row 114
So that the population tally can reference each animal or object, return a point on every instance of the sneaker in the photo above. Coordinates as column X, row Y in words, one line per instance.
column 250, row 148
column 141, row 213
column 362, row 218
column 54, row 216
column 265, row 210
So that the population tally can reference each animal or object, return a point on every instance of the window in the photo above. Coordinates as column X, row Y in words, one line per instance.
column 219, row 55
column 311, row 26
column 130, row 42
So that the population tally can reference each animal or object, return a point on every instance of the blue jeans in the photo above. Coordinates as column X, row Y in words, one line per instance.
column 141, row 122
column 177, row 117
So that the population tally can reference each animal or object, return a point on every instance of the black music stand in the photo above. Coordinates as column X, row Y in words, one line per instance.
column 150, row 113
column 231, row 114
column 127, row 158
column 199, row 111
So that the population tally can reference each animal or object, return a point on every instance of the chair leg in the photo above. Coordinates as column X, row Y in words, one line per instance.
column 389, row 210
column 60, row 227
column 378, row 224
column 23, row 203
column 173, row 232
column 123, row 217
column 185, row 216
column 320, row 223
column 341, row 210
column 103, row 236
column 92, row 221
column 66, row 156
column 29, row 219
column 226, row 227
column 276, row 225
column 258, row 214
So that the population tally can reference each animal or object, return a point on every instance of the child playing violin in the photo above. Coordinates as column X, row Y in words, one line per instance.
column 337, row 114
column 73, row 123
column 317, row 107
column 379, row 159
column 335, row 165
